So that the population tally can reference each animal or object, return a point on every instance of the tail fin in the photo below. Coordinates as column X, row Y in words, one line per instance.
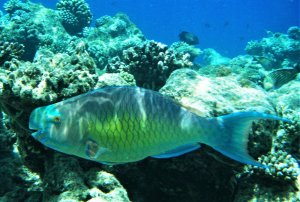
column 232, row 137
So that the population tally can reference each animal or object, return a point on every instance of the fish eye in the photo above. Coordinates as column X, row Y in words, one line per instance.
column 56, row 119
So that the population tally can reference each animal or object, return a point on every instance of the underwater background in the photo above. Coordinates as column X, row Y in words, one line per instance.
column 212, row 57
column 226, row 26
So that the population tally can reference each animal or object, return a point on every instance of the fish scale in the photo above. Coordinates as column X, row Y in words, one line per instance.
column 133, row 123
column 115, row 125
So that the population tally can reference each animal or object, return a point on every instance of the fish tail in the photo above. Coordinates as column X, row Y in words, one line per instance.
column 231, row 136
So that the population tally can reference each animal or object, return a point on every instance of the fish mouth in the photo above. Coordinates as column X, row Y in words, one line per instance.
column 35, row 131
column 35, row 124
column 40, row 135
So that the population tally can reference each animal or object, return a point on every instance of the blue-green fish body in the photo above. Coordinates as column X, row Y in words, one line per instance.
column 115, row 125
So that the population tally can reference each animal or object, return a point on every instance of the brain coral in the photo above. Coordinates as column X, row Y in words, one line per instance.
column 150, row 64
column 75, row 15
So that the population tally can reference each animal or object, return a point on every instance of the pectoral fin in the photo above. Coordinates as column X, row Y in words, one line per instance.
column 178, row 151
column 93, row 150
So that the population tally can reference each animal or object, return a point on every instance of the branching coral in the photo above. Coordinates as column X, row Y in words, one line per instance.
column 75, row 15
column 281, row 167
column 150, row 64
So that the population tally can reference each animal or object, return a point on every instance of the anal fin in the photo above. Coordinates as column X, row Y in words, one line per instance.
column 178, row 151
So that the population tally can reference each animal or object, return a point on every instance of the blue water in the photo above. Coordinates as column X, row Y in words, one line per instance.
column 226, row 26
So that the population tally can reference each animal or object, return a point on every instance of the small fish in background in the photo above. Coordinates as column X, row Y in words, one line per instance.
column 226, row 24
column 279, row 77
column 115, row 125
column 188, row 38
column 266, row 62
column 207, row 25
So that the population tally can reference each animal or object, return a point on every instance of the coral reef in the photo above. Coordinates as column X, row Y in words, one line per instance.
column 288, row 104
column 41, row 63
column 150, row 64
column 34, row 27
column 248, row 71
column 183, row 48
column 18, row 182
column 110, row 37
column 281, row 167
column 214, row 96
column 9, row 51
column 13, row 5
column 294, row 33
column 50, row 78
column 281, row 181
column 272, row 52
column 77, row 184
column 54, row 76
column 75, row 15
column 115, row 79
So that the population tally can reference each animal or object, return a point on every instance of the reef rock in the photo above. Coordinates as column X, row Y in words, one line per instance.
column 79, row 183
column 212, row 57
column 110, row 37
column 214, row 96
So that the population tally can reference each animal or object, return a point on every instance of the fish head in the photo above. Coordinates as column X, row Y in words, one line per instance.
column 56, row 127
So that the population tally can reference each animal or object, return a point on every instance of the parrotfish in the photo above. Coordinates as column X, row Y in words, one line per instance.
column 115, row 125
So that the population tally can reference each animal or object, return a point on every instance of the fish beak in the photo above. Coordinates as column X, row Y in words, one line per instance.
column 36, row 125
column 36, row 134
column 34, row 119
